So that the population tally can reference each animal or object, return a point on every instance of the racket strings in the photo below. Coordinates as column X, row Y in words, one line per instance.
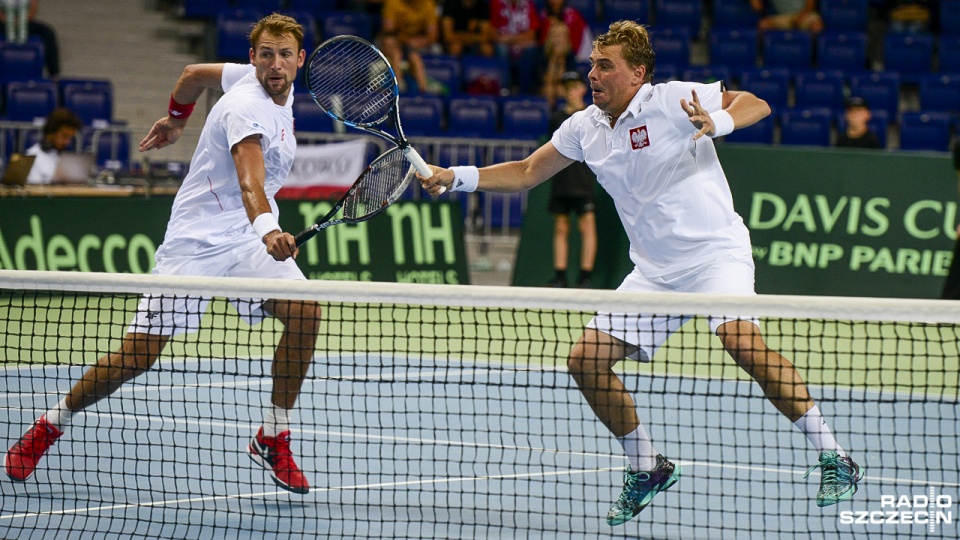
column 380, row 185
column 352, row 81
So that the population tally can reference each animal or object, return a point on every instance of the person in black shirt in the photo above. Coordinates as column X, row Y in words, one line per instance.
column 465, row 27
column 572, row 190
column 857, row 134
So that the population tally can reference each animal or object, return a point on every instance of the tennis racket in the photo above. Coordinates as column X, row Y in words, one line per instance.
column 379, row 186
column 352, row 81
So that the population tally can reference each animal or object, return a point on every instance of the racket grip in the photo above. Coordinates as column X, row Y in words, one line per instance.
column 419, row 164
column 305, row 235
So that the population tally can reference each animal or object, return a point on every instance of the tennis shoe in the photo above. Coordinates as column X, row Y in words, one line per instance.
column 23, row 457
column 274, row 455
column 838, row 478
column 640, row 487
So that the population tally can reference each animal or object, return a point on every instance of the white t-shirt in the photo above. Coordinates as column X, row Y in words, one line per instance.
column 209, row 206
column 670, row 191
column 44, row 166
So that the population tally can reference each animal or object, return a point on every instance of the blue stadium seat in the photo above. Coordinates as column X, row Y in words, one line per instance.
column 950, row 17
column 449, row 155
column 880, row 89
column 940, row 92
column 70, row 85
column 705, row 74
column 526, row 118
column 634, row 10
column 264, row 6
column 233, row 34
column 663, row 73
column 908, row 53
column 806, row 127
column 948, row 53
column 21, row 61
column 92, row 103
column 350, row 23
column 879, row 123
column 734, row 47
column 30, row 101
column 204, row 9
column 734, row 14
column 819, row 88
column 787, row 49
column 484, row 75
column 925, row 131
column 112, row 150
column 685, row 13
column 474, row 116
column 502, row 209
column 759, row 133
column 847, row 51
column 308, row 117
column 422, row 115
column 672, row 44
column 315, row 6
column 309, row 23
column 844, row 15
column 444, row 69
column 771, row 85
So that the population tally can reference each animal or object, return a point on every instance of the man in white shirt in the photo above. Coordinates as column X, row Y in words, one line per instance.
column 223, row 223
column 59, row 130
column 651, row 149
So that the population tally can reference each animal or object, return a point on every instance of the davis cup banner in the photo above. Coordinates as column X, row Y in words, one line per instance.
column 846, row 223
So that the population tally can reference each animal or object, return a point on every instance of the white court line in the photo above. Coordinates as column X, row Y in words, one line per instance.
column 264, row 494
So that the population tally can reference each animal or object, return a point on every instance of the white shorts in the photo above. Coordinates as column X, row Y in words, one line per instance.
column 650, row 332
column 172, row 315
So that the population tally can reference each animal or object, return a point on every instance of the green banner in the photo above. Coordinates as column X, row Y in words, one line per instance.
column 822, row 222
column 408, row 242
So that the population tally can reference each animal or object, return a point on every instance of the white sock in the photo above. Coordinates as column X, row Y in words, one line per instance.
column 818, row 433
column 276, row 421
column 639, row 449
column 60, row 415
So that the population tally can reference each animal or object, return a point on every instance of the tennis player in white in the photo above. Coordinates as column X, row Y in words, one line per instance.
column 223, row 223
column 651, row 148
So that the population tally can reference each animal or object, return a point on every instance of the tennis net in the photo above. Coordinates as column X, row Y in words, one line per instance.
column 449, row 412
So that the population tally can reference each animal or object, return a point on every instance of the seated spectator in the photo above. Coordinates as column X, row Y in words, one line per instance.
column 409, row 30
column 561, row 36
column 909, row 15
column 856, row 115
column 59, row 130
column 515, row 24
column 788, row 15
column 44, row 31
column 465, row 27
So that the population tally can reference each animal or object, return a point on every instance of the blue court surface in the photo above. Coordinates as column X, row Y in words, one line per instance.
column 436, row 449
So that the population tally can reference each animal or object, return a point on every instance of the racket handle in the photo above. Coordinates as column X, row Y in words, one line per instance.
column 305, row 235
column 419, row 164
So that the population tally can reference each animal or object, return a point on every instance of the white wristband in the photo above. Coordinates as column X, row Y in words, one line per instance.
column 465, row 178
column 722, row 123
column 265, row 223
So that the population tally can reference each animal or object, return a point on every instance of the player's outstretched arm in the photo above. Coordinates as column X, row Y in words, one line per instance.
column 194, row 79
column 509, row 177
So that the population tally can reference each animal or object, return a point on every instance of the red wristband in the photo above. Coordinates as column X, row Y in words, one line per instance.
column 177, row 110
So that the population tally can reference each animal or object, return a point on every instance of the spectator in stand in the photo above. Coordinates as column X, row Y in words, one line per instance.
column 856, row 114
column 515, row 25
column 563, row 32
column 788, row 15
column 409, row 30
column 465, row 27
column 42, row 30
column 59, row 130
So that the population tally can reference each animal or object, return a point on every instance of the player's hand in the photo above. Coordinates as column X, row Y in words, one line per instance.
column 164, row 132
column 699, row 117
column 280, row 245
column 439, row 182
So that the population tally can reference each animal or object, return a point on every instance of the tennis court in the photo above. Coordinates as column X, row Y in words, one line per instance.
column 463, row 423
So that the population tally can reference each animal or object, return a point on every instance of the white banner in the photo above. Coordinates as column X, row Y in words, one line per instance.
column 329, row 165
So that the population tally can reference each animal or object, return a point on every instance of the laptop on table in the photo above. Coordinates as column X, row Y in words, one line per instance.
column 18, row 168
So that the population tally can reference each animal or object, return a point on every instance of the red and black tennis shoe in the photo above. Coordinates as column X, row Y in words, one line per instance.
column 22, row 458
column 273, row 454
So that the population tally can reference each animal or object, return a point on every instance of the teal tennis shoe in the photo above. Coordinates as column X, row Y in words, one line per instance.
column 640, row 487
column 838, row 478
